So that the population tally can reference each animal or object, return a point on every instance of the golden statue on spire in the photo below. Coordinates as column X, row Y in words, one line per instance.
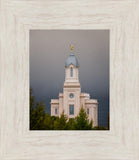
column 71, row 48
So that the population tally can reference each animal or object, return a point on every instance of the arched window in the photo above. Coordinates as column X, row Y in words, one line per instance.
column 71, row 72
column 55, row 110
column 87, row 110
column 71, row 109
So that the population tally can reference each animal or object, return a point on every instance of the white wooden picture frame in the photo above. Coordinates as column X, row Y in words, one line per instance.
column 121, row 142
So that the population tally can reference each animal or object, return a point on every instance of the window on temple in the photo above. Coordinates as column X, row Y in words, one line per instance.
column 71, row 72
column 71, row 95
column 87, row 110
column 56, row 111
column 71, row 109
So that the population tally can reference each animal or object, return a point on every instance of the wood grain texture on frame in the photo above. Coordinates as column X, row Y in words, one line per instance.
column 16, row 140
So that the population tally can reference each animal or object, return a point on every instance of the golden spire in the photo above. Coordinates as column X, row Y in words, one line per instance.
column 71, row 48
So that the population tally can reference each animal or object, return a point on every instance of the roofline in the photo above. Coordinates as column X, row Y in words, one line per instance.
column 66, row 66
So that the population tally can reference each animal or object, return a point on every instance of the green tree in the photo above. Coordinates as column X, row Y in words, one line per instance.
column 37, row 113
column 32, row 107
column 49, row 121
column 71, row 124
column 38, row 116
column 61, row 123
column 81, row 121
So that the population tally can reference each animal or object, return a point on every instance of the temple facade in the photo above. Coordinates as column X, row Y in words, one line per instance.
column 71, row 100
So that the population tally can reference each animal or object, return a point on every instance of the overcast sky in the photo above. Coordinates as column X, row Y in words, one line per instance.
column 49, row 50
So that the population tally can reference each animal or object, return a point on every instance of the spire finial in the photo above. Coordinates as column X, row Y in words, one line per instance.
column 71, row 48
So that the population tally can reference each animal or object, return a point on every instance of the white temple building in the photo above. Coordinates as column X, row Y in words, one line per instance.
column 71, row 100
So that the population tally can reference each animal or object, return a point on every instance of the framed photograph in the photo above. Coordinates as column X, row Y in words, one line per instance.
column 77, row 53
column 69, row 83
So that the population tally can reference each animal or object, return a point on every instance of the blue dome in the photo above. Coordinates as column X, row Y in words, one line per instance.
column 72, row 60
